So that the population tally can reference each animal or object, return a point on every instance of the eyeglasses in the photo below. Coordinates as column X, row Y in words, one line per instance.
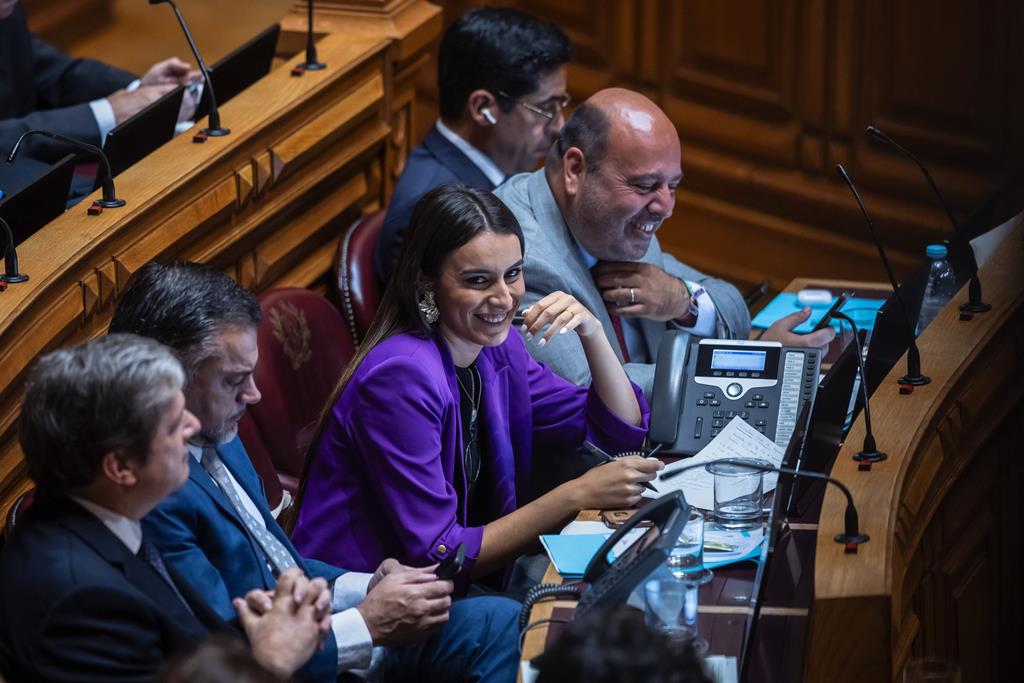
column 549, row 112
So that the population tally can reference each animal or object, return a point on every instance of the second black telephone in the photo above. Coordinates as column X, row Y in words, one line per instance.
column 700, row 387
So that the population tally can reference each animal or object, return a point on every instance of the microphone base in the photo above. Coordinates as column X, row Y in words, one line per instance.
column 980, row 307
column 110, row 203
column 14, row 279
column 870, row 456
column 313, row 66
column 914, row 380
column 216, row 132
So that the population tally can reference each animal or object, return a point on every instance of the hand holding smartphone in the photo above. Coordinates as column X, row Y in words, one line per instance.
column 452, row 565
column 833, row 309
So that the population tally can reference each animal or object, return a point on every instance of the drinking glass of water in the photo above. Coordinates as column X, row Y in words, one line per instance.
column 686, row 562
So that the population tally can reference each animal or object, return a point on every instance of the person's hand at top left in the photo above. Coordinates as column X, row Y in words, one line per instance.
column 170, row 71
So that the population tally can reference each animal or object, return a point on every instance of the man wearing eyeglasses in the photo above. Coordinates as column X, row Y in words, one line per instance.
column 501, row 91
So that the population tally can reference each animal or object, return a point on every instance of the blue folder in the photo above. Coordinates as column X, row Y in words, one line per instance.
column 784, row 304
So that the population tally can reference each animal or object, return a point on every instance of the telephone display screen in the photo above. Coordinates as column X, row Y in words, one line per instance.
column 736, row 359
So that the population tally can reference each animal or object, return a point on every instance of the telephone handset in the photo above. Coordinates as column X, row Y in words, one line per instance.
column 699, row 387
column 607, row 581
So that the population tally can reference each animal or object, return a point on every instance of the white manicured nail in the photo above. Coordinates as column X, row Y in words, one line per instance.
column 542, row 342
column 563, row 330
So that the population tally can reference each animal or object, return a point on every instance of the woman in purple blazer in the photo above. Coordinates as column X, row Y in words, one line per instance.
column 431, row 435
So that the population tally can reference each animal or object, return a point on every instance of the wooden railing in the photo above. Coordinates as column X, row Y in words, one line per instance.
column 940, row 575
column 266, row 204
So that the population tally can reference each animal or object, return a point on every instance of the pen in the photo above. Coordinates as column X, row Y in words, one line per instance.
column 607, row 457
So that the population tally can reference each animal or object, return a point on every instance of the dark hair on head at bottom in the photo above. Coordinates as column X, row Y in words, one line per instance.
column 218, row 659
column 615, row 645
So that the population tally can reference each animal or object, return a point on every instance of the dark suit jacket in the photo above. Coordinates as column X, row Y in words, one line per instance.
column 77, row 605
column 200, row 534
column 433, row 162
column 41, row 87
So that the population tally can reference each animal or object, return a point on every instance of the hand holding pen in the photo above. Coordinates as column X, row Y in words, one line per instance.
column 608, row 457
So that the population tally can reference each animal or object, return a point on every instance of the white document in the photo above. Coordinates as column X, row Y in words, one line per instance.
column 985, row 245
column 736, row 440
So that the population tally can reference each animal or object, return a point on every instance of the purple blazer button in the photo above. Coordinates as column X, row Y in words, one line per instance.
column 442, row 549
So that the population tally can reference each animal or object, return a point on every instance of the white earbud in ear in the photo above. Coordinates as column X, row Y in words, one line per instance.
column 486, row 113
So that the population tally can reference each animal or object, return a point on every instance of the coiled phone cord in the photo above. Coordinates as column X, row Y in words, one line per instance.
column 547, row 590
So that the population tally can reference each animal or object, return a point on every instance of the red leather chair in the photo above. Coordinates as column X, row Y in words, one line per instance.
column 21, row 504
column 304, row 345
column 356, row 279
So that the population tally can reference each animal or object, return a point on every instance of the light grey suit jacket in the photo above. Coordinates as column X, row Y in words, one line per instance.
column 553, row 262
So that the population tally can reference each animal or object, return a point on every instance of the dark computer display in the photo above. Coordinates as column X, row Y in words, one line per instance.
column 240, row 69
column 143, row 132
column 35, row 205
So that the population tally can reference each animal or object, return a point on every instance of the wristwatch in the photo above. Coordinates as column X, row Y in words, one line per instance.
column 690, row 319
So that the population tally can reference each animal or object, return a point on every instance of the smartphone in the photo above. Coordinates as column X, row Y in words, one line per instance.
column 452, row 565
column 833, row 309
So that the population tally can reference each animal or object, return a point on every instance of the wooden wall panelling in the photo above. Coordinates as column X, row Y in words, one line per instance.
column 311, row 146
column 769, row 95
column 940, row 573
column 61, row 23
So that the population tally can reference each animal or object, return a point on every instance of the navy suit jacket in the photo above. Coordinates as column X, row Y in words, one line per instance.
column 76, row 605
column 201, row 535
column 433, row 162
column 43, row 88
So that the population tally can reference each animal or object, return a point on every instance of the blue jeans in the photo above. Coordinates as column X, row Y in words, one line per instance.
column 480, row 642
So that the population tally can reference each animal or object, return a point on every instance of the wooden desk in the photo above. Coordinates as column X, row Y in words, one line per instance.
column 306, row 156
column 940, row 573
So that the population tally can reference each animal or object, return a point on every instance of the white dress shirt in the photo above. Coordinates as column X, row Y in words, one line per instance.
column 479, row 159
column 127, row 530
column 355, row 646
column 104, row 113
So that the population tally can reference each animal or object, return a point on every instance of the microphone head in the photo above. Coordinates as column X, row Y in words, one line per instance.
column 842, row 173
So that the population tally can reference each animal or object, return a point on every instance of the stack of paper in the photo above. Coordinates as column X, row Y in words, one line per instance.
column 736, row 440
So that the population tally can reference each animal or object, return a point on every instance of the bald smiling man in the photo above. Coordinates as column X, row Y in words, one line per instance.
column 590, row 219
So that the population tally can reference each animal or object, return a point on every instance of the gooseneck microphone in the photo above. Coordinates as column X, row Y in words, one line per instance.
column 974, row 303
column 109, row 199
column 851, row 536
column 214, row 129
column 311, row 63
column 11, row 274
column 870, row 452
column 913, row 376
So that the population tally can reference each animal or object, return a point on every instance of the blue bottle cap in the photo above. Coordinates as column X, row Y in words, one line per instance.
column 935, row 251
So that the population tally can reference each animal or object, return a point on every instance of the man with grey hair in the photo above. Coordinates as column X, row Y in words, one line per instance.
column 219, row 532
column 84, row 596
column 589, row 219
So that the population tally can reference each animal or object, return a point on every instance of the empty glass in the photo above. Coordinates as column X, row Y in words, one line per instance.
column 687, row 558
column 671, row 607
column 738, row 492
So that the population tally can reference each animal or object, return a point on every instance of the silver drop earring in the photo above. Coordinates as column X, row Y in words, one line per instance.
column 428, row 307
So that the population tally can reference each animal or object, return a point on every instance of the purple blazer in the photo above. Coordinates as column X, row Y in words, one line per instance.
column 383, row 480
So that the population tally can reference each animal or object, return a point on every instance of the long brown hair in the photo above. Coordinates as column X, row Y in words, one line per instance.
column 444, row 219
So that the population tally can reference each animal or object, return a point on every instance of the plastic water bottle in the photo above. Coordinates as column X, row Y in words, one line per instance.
column 941, row 287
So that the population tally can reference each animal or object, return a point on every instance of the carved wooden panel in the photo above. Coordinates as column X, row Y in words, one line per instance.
column 62, row 22
column 768, row 95
column 267, row 204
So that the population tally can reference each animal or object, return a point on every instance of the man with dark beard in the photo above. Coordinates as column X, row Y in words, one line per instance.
column 589, row 219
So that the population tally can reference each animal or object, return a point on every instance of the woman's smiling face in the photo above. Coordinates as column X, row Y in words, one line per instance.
column 477, row 292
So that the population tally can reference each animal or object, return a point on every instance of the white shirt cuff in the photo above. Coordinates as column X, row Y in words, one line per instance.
column 349, row 590
column 104, row 115
column 707, row 316
column 355, row 646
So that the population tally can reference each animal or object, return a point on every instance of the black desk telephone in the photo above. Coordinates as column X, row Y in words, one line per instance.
column 609, row 582
column 699, row 387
